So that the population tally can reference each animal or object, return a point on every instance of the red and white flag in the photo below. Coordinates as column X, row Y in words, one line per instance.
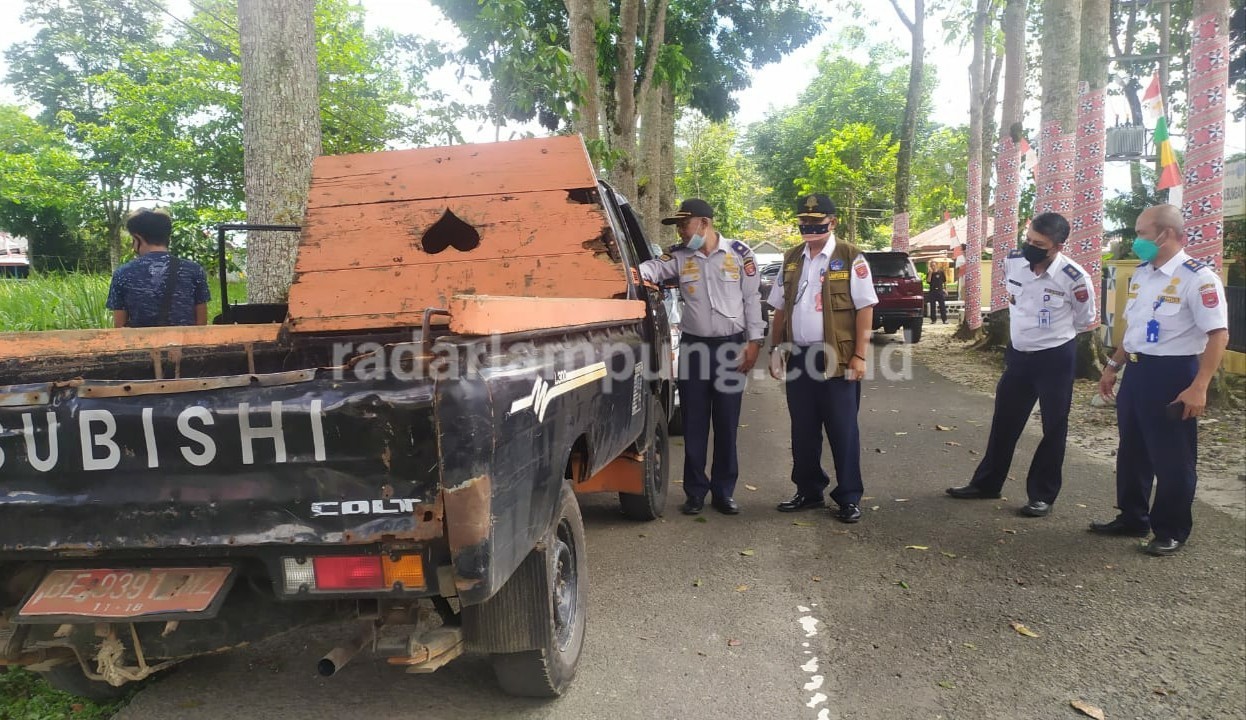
column 1153, row 100
column 1029, row 156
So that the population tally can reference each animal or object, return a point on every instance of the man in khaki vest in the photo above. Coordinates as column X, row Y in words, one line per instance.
column 823, row 302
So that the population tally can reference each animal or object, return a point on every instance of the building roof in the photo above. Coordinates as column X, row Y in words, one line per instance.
column 945, row 237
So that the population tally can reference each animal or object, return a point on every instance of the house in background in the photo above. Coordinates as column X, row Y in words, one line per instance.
column 767, row 252
column 14, row 256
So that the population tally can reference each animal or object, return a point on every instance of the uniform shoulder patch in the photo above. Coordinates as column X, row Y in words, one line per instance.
column 1193, row 265
column 1016, row 254
column 1072, row 272
column 665, row 257
column 741, row 249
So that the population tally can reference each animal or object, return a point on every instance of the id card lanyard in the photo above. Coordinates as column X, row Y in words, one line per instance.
column 1044, row 315
column 1152, row 326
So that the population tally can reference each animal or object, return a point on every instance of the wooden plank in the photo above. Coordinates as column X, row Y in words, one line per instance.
column 407, row 291
column 61, row 343
column 493, row 315
column 389, row 234
column 517, row 166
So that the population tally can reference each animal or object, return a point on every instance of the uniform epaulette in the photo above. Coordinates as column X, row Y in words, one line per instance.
column 1072, row 272
column 671, row 250
column 1016, row 254
column 1193, row 265
column 740, row 248
column 1142, row 264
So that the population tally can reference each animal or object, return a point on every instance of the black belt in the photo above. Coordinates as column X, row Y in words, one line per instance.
column 1143, row 357
column 735, row 337
column 1043, row 350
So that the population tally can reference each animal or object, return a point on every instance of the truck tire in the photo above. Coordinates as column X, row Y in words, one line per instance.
column 561, row 587
column 676, row 424
column 913, row 331
column 69, row 678
column 652, row 503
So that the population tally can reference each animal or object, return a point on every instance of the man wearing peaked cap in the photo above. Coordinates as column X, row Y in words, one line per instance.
column 823, row 302
column 722, row 334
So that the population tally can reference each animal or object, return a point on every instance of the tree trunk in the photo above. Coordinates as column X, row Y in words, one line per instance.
column 970, row 283
column 649, row 187
column 1008, row 164
column 666, row 199
column 1204, row 155
column 281, row 134
column 1086, row 241
column 583, row 17
column 1062, row 21
column 908, row 126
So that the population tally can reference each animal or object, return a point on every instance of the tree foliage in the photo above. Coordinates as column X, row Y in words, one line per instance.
column 711, row 168
column 855, row 165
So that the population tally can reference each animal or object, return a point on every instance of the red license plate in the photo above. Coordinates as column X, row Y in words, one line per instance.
column 126, row 593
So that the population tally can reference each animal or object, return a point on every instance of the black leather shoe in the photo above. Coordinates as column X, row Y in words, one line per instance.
column 801, row 502
column 1118, row 526
column 726, row 506
column 971, row 492
column 1161, row 548
column 1036, row 508
column 692, row 506
column 849, row 513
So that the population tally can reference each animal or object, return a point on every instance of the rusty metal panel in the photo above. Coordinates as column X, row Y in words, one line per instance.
column 491, row 315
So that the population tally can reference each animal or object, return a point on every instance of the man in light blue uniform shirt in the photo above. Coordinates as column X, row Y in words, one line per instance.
column 1050, row 301
column 722, row 334
column 1176, row 332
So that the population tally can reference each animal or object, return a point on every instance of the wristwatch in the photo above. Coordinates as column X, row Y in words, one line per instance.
column 1113, row 364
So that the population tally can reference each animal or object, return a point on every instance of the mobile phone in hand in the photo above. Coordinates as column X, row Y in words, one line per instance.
column 1175, row 410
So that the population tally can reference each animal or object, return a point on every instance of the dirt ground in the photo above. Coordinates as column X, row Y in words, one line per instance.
column 1222, row 453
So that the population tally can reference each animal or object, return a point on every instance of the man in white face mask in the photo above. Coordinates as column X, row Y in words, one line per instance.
column 722, row 335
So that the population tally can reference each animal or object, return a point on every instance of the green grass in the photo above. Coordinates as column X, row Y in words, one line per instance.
column 24, row 696
column 73, row 301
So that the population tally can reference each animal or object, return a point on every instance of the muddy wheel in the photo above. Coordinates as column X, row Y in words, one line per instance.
column 652, row 503
column 913, row 331
column 559, row 582
column 70, row 679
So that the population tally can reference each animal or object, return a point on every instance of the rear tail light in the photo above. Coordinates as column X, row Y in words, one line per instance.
column 336, row 573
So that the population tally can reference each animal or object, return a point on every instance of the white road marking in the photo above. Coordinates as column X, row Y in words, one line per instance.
column 816, row 700
column 810, row 624
column 811, row 666
column 815, row 683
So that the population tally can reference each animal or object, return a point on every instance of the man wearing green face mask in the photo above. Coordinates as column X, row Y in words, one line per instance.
column 1176, row 331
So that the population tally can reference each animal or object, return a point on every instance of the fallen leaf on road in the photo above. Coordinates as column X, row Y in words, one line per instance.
column 948, row 554
column 701, row 520
column 868, row 497
column 701, row 654
column 944, row 428
column 1087, row 709
column 751, row 487
column 916, row 547
column 1022, row 629
column 952, row 444
column 895, row 411
column 902, row 584
column 1080, row 505
column 1010, row 532
column 744, row 426
column 643, row 535
column 816, row 578
column 741, row 588
column 970, row 646
column 947, row 685
column 973, row 452
column 696, row 583
column 747, row 553
column 1164, row 692
column 880, row 451
column 733, row 643
column 802, row 523
column 901, row 433
column 902, row 499
column 874, row 507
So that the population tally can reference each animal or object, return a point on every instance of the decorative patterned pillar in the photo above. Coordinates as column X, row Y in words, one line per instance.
column 900, row 232
column 971, row 283
column 1008, row 182
column 1086, row 240
column 1204, row 155
column 1057, row 151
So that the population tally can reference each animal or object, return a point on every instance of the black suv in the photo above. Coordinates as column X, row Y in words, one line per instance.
column 901, row 303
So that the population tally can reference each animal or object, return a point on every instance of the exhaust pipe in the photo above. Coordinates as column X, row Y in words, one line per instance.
column 337, row 658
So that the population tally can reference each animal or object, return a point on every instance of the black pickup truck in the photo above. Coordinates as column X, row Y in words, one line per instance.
column 463, row 351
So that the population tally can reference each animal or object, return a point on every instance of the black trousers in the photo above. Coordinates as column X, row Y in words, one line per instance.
column 1156, row 451
column 1045, row 376
column 938, row 297
column 818, row 404
column 711, row 392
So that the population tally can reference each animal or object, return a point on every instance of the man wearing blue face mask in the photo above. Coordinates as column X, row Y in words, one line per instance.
column 722, row 334
column 1049, row 303
column 1176, row 331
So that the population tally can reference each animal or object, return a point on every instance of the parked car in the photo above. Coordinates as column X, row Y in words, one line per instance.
column 901, row 303
column 768, row 275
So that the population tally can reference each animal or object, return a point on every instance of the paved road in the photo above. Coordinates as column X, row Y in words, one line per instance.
column 835, row 621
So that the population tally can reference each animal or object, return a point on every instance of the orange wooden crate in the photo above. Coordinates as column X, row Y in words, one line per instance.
column 367, row 259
